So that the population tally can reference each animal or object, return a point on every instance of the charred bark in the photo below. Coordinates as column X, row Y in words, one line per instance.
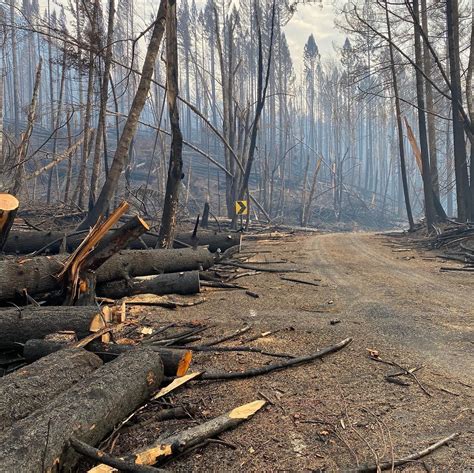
column 37, row 275
column 87, row 411
column 30, row 388
column 22, row 242
column 185, row 283
column 22, row 324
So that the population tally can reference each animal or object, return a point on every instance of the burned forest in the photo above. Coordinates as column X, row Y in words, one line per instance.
column 236, row 235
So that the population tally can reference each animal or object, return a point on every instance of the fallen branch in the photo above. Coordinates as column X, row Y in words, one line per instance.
column 401, row 461
column 447, row 268
column 264, row 270
column 236, row 349
column 309, row 283
column 221, row 285
column 102, row 457
column 277, row 366
column 227, row 337
column 409, row 372
column 164, row 448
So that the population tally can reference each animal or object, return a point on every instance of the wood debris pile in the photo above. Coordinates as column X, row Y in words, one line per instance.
column 453, row 242
column 457, row 243
column 77, row 364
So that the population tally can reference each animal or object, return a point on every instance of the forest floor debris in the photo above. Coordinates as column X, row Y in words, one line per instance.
column 328, row 415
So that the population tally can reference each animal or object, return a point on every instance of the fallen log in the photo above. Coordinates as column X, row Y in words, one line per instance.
column 184, row 283
column 37, row 275
column 22, row 324
column 128, row 264
column 8, row 209
column 28, row 389
column 175, row 362
column 87, row 411
column 166, row 447
column 215, row 241
column 38, row 348
column 24, row 242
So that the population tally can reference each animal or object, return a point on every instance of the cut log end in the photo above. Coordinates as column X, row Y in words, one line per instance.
column 8, row 202
column 184, row 363
column 8, row 208
column 143, row 223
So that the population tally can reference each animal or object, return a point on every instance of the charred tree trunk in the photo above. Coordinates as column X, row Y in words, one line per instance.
column 205, row 216
column 37, row 275
column 87, row 411
column 460, row 156
column 430, row 103
column 25, row 137
column 398, row 112
column 22, row 242
column 430, row 211
column 101, row 126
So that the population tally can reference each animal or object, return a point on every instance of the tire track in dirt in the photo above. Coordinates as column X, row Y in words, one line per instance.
column 408, row 303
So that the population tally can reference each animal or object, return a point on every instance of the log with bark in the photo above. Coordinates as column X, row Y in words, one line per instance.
column 215, row 241
column 175, row 362
column 22, row 324
column 28, row 389
column 8, row 208
column 23, row 242
column 129, row 263
column 37, row 275
column 184, row 283
column 87, row 411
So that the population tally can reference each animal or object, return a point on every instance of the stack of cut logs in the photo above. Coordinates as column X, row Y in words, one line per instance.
column 55, row 354
column 70, row 372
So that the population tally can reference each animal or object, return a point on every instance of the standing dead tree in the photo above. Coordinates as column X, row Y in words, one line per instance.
column 175, row 170
column 25, row 138
column 122, row 153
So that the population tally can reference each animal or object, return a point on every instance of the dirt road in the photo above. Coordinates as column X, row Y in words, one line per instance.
column 341, row 412
column 400, row 298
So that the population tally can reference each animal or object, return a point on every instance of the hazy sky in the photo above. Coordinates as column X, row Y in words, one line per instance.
column 318, row 21
column 310, row 18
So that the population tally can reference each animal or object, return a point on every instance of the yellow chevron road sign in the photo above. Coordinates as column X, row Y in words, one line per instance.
column 241, row 207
